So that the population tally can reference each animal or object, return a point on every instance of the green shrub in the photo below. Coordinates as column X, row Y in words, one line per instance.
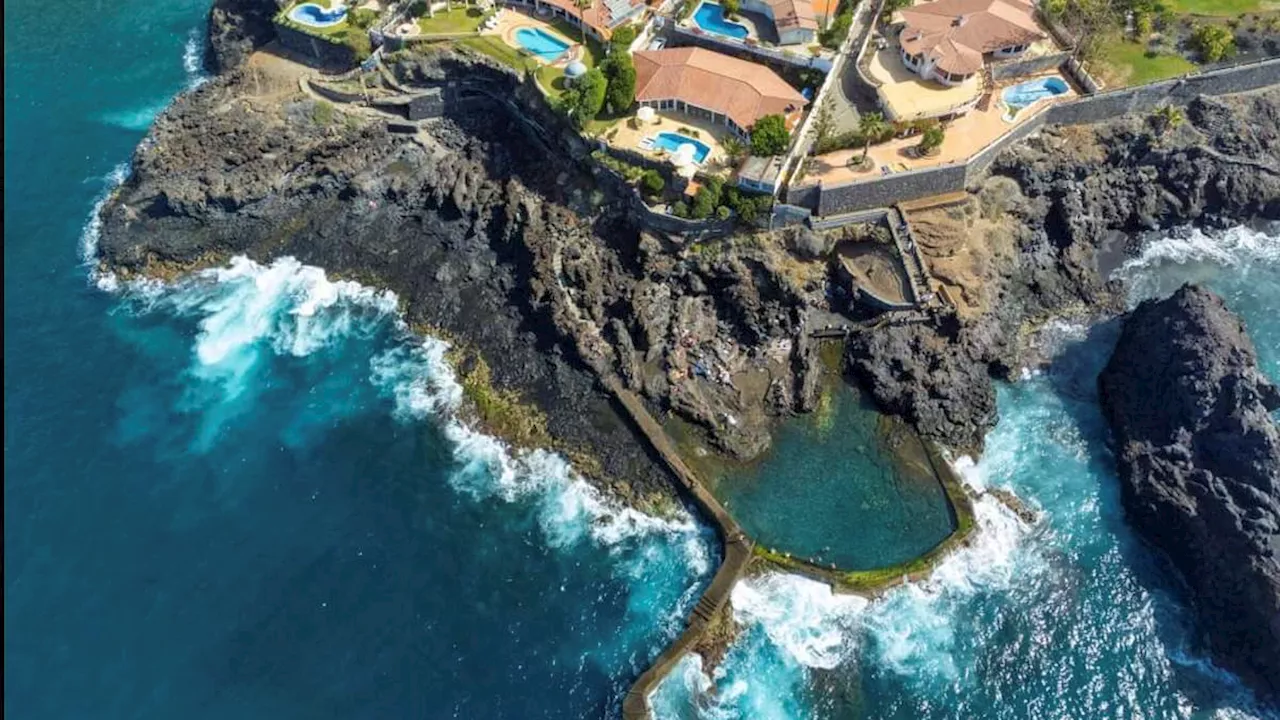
column 651, row 182
column 358, row 41
column 722, row 212
column 623, row 37
column 838, row 29
column 680, row 210
column 322, row 112
column 418, row 8
column 620, row 73
column 769, row 136
column 932, row 138
column 1213, row 42
column 584, row 100
column 731, row 7
column 362, row 18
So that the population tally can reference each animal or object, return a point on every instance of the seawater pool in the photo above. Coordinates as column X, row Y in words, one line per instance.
column 1028, row 93
column 710, row 17
column 840, row 487
column 546, row 46
column 671, row 142
column 315, row 16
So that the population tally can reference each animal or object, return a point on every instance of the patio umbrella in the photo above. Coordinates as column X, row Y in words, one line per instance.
column 683, row 156
column 646, row 114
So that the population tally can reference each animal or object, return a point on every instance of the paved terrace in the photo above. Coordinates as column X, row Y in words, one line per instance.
column 966, row 136
column 622, row 135
column 908, row 96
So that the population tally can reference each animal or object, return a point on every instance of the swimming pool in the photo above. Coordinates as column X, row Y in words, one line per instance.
column 1030, row 92
column 670, row 142
column 316, row 16
column 710, row 17
column 546, row 46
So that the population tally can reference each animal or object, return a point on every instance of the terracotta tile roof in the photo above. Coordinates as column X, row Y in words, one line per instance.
column 956, row 33
column 791, row 14
column 597, row 15
column 742, row 90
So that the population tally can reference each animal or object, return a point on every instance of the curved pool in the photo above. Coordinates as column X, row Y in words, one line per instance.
column 710, row 17
column 670, row 142
column 546, row 46
column 316, row 16
column 1028, row 93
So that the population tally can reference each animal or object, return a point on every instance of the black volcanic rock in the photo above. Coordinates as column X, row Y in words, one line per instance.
column 1199, row 462
column 236, row 29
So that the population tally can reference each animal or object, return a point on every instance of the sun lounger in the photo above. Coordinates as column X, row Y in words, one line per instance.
column 884, row 170
column 646, row 144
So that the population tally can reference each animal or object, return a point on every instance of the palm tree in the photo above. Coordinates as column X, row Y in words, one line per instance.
column 1167, row 118
column 871, row 126
column 733, row 148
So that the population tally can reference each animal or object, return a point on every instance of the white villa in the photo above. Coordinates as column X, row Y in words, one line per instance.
column 949, row 41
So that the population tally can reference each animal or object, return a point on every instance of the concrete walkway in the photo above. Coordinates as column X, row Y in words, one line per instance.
column 737, row 553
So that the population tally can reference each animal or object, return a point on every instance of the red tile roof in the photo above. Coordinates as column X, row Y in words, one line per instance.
column 744, row 91
column 956, row 33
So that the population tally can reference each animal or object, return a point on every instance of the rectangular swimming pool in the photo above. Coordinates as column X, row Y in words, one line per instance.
column 670, row 142
column 710, row 17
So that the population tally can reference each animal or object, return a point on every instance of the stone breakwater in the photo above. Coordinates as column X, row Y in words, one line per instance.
column 1199, row 460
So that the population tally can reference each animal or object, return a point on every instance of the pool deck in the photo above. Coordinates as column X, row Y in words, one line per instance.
column 966, row 136
column 622, row 135
column 909, row 96
column 511, row 19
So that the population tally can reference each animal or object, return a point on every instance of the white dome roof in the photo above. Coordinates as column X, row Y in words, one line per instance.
column 575, row 69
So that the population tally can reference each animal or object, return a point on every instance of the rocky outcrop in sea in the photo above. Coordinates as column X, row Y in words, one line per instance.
column 1199, row 459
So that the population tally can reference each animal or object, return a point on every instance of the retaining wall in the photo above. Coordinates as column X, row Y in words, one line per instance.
column 915, row 184
column 322, row 52
column 890, row 189
column 1032, row 66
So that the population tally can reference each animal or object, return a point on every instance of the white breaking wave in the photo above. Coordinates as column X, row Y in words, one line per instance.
column 1198, row 255
column 802, row 617
column 246, row 310
column 193, row 59
column 138, row 118
column 92, row 231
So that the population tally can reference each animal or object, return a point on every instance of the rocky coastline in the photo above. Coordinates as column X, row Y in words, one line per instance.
column 497, row 232
column 1199, row 459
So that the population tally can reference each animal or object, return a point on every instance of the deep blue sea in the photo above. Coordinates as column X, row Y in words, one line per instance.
column 247, row 495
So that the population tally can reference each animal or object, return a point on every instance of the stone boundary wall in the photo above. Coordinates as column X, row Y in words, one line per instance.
column 328, row 54
column 337, row 96
column 1032, row 66
column 898, row 187
column 890, row 189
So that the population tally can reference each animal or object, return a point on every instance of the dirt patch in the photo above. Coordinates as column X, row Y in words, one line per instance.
column 966, row 246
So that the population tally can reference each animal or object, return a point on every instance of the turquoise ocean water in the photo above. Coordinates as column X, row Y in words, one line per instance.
column 247, row 496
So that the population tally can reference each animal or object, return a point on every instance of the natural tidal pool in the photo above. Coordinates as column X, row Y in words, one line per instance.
column 841, row 485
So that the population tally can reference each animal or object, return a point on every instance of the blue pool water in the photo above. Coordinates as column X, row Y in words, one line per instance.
column 1024, row 94
column 316, row 16
column 710, row 17
column 830, row 489
column 540, row 43
column 670, row 142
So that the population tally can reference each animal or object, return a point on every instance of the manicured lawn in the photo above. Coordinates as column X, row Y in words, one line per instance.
column 1126, row 63
column 1223, row 7
column 492, row 46
column 456, row 21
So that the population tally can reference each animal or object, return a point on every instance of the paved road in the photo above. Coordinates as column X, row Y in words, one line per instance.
column 853, row 96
